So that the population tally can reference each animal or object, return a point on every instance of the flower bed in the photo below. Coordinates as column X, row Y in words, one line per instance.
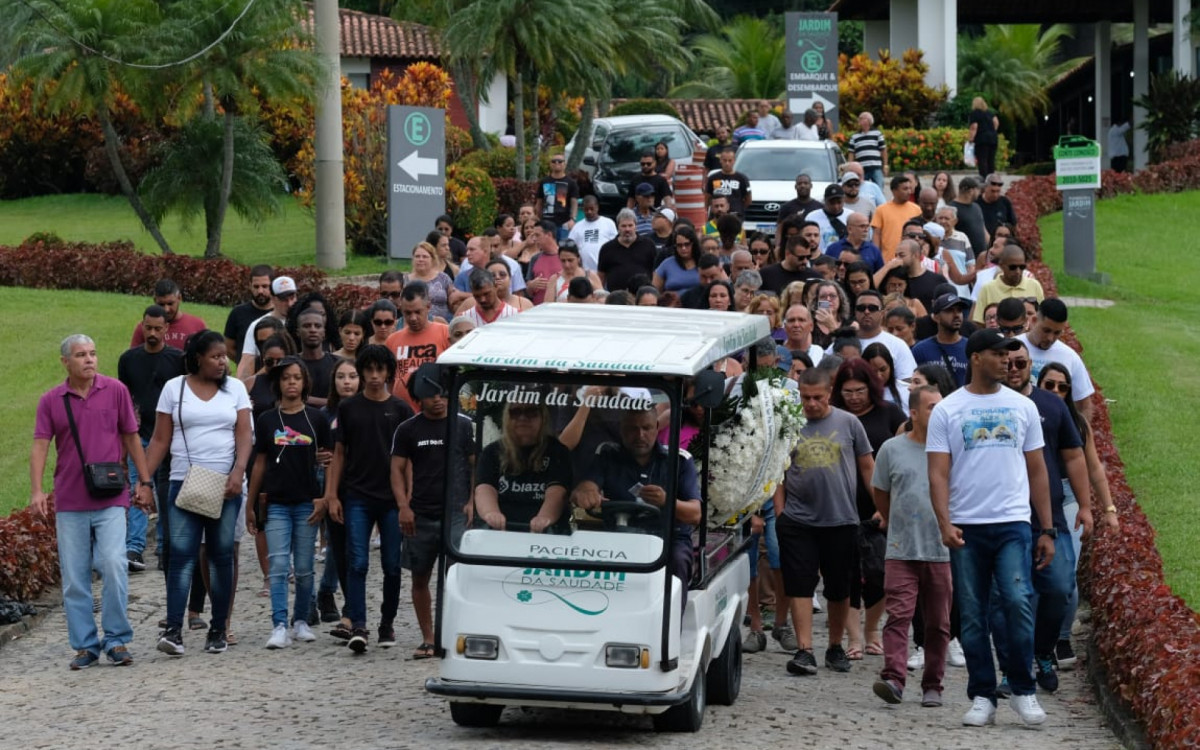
column 28, row 555
column 926, row 150
column 1147, row 637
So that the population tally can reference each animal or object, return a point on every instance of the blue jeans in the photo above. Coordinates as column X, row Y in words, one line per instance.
column 1052, row 587
column 361, row 516
column 184, row 530
column 87, row 540
column 137, row 522
column 772, row 542
column 1000, row 551
column 874, row 174
column 290, row 538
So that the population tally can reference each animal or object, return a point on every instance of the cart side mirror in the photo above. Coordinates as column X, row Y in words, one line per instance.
column 709, row 389
column 426, row 382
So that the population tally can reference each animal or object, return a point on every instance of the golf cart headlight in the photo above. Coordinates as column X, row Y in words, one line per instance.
column 622, row 655
column 606, row 188
column 480, row 646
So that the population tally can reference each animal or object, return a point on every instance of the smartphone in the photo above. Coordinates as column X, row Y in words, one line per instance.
column 824, row 304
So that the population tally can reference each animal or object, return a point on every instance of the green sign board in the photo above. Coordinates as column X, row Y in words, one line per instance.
column 1076, row 163
column 812, row 63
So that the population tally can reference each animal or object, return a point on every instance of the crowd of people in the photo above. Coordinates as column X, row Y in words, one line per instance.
column 943, row 483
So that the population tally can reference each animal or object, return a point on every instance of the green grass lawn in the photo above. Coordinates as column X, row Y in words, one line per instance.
column 1143, row 351
column 286, row 240
column 35, row 322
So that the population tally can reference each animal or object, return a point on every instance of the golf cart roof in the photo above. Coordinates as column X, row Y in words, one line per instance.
column 608, row 338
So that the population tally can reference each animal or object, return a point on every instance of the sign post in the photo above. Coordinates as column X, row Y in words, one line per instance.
column 1077, row 175
column 812, row 64
column 417, row 175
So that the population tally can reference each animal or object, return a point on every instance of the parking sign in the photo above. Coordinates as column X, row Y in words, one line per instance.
column 416, row 173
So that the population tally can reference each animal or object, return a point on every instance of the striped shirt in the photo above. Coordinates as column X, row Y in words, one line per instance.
column 868, row 148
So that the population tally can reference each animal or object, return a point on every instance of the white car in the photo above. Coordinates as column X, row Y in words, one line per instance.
column 772, row 167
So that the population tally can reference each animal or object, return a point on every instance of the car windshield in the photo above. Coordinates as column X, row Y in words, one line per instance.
column 569, row 471
column 785, row 163
column 627, row 146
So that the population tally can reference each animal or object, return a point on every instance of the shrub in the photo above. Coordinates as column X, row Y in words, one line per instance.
column 893, row 90
column 470, row 198
column 644, row 107
column 458, row 143
column 501, row 162
column 511, row 193
column 28, row 555
column 1172, row 107
column 925, row 150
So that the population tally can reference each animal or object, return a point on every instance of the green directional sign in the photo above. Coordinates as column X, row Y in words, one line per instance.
column 812, row 63
column 416, row 175
column 1076, row 163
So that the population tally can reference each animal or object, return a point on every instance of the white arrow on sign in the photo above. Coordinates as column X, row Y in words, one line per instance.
column 417, row 165
column 799, row 105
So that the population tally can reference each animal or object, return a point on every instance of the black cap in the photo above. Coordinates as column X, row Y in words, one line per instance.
column 988, row 338
column 644, row 188
column 946, row 301
column 834, row 191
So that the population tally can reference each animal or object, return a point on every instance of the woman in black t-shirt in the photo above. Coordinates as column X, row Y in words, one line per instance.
column 982, row 129
column 523, row 477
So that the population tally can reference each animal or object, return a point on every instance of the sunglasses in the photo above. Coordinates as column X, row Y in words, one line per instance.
column 385, row 322
column 868, row 308
column 1011, row 329
column 996, row 184
column 678, row 244
column 395, row 295
column 524, row 412
column 760, row 252
column 647, row 164
column 1016, row 267
column 914, row 236
column 1057, row 385
column 270, row 362
column 558, row 161
column 1018, row 364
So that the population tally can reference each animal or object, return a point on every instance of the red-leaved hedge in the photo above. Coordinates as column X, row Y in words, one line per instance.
column 1147, row 637
column 28, row 555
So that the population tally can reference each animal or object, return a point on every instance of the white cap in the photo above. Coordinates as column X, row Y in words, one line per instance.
column 935, row 229
column 667, row 214
column 283, row 285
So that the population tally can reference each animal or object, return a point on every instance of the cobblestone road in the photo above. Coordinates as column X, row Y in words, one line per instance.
column 319, row 694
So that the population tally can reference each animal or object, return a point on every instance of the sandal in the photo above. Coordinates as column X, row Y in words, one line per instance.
column 875, row 649
column 265, row 591
column 424, row 651
column 197, row 623
column 854, row 653
column 230, row 638
column 341, row 631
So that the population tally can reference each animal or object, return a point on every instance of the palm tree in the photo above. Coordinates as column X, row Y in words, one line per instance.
column 525, row 39
column 262, row 55
column 73, row 51
column 744, row 61
column 1012, row 65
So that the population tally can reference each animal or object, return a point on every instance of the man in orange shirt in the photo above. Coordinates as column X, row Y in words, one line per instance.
column 421, row 340
column 888, row 221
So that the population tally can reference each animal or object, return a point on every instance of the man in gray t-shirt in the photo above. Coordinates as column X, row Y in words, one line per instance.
column 817, row 524
column 917, row 566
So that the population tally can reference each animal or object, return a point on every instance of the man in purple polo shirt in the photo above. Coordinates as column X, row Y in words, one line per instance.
column 91, row 531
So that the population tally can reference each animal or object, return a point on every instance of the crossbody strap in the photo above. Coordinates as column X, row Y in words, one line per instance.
column 74, row 431
column 186, row 452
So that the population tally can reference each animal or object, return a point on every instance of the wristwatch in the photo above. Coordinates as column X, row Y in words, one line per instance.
column 1050, row 532
column 1111, row 509
column 144, row 483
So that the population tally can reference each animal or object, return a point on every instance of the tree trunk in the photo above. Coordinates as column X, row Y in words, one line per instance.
column 587, row 115
column 114, row 159
column 518, row 86
column 536, row 127
column 213, row 199
column 213, row 248
column 468, row 85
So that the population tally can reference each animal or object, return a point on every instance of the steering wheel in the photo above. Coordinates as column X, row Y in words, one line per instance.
column 618, row 514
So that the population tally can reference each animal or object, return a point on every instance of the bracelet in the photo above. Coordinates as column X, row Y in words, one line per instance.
column 1111, row 509
column 144, row 483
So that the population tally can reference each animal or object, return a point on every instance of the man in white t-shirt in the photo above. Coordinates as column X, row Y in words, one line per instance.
column 1044, row 347
column 283, row 296
column 986, row 468
column 868, row 311
column 590, row 234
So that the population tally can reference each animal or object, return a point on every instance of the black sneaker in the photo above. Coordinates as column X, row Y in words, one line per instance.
column 1064, row 654
column 136, row 563
column 836, row 659
column 358, row 640
column 802, row 663
column 1003, row 690
column 328, row 607
column 387, row 636
column 215, row 643
column 171, row 642
column 1047, row 674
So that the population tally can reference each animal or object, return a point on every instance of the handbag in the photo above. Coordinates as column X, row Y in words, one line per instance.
column 103, row 480
column 969, row 154
column 203, row 490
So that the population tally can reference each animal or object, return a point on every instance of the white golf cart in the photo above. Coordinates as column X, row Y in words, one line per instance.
column 586, row 614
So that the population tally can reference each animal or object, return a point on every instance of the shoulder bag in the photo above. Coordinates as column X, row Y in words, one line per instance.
column 203, row 490
column 103, row 480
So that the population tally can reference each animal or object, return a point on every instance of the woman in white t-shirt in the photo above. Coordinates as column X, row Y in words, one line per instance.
column 203, row 420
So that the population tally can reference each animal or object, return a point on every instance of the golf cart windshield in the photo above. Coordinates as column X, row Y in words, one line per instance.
column 570, row 468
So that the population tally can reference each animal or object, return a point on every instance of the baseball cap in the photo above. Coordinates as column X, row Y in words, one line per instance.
column 834, row 191
column 988, row 338
column 947, row 301
column 644, row 188
column 935, row 229
column 666, row 213
column 283, row 285
column 850, row 177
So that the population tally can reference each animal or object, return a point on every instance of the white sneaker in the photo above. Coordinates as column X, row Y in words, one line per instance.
column 954, row 654
column 917, row 660
column 816, row 604
column 981, row 714
column 1028, row 708
column 279, row 637
column 301, row 632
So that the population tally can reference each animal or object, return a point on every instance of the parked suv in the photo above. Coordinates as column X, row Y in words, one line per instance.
column 773, row 166
column 616, row 143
